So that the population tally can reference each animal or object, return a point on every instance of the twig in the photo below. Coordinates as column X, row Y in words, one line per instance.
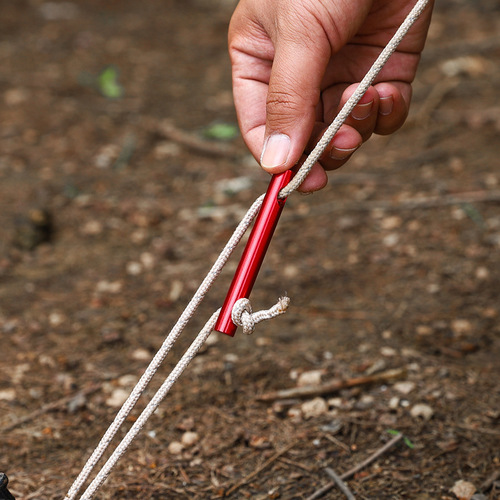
column 482, row 430
column 259, row 469
column 337, row 442
column 54, row 405
column 338, row 481
column 332, row 386
column 489, row 481
column 423, row 202
column 387, row 446
column 346, row 475
column 432, row 102
column 167, row 129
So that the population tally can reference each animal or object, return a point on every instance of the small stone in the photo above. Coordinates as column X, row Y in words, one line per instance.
column 175, row 448
column 176, row 290
column 424, row 330
column 56, row 318
column 231, row 357
column 291, row 271
column 7, row 395
column 263, row 341
column 166, row 149
column 394, row 403
column 391, row 240
column 127, row 380
column 388, row 352
column 294, row 414
column 141, row 355
column 117, row 398
column 134, row 268
column 391, row 222
column 13, row 97
column 422, row 410
column 105, row 286
column 336, row 402
column 482, row 273
column 147, row 260
column 190, row 438
column 92, row 228
column 366, row 401
column 404, row 387
column 463, row 490
column 461, row 327
column 312, row 377
column 314, row 408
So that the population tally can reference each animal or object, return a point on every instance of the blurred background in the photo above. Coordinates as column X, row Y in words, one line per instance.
column 122, row 174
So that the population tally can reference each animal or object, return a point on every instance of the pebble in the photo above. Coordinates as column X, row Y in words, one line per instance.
column 175, row 448
column 294, row 414
column 482, row 273
column 190, row 438
column 391, row 240
column 117, row 398
column 391, row 222
column 56, row 318
column 13, row 97
column 394, row 403
column 92, row 228
column 461, row 327
column 7, row 395
column 312, row 377
column 128, row 380
column 422, row 410
column 314, row 408
column 404, row 387
column 388, row 352
column 464, row 490
column 141, row 355
column 105, row 286
column 134, row 268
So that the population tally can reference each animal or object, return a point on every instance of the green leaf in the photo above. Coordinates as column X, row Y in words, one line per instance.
column 108, row 83
column 406, row 440
column 221, row 131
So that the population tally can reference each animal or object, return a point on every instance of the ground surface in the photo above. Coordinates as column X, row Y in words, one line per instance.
column 394, row 266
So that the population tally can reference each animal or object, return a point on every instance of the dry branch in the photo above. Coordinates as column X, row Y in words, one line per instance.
column 333, row 386
column 346, row 475
column 259, row 469
column 168, row 130
column 54, row 405
column 423, row 202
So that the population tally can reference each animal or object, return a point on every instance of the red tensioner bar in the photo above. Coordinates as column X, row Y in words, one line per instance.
column 255, row 251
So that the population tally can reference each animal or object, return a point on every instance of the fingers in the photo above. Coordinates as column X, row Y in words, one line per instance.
column 292, row 98
column 382, row 110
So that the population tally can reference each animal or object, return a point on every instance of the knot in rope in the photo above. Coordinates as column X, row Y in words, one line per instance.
column 243, row 315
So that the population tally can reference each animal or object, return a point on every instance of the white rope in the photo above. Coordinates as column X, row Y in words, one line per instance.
column 151, row 407
column 162, row 392
column 242, row 314
column 348, row 107
column 164, row 349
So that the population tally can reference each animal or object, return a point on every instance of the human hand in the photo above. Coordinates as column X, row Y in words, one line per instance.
column 296, row 62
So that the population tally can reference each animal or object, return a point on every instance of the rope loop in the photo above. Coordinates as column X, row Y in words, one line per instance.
column 243, row 315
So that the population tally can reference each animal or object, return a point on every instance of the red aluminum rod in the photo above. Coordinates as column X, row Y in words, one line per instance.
column 255, row 251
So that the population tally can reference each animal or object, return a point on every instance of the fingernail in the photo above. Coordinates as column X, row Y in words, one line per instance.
column 276, row 150
column 340, row 153
column 362, row 111
column 385, row 105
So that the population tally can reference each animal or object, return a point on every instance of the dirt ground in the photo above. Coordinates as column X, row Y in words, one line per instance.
column 114, row 203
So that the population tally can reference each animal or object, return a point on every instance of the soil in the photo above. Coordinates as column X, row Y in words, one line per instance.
column 109, row 221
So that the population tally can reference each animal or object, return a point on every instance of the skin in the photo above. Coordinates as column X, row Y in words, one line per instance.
column 296, row 62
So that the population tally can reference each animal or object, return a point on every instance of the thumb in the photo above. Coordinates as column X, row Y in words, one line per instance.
column 292, row 99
